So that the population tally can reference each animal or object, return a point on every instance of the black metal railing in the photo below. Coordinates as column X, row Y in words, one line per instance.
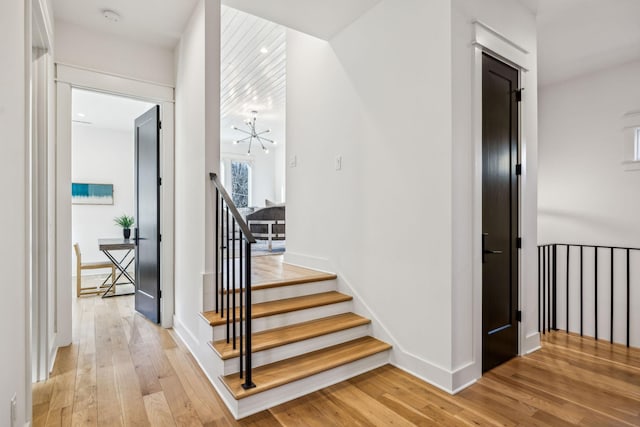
column 233, row 276
column 563, row 277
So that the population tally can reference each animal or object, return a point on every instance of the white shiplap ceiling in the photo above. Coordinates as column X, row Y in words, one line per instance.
column 253, row 74
column 320, row 18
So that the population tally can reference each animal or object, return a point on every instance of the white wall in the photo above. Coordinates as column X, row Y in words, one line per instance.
column 586, row 196
column 515, row 23
column 197, row 151
column 108, row 53
column 378, row 94
column 101, row 156
column 190, row 170
column 397, row 89
column 13, row 175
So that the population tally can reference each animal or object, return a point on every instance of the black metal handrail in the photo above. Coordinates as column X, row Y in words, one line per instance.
column 549, row 260
column 233, row 276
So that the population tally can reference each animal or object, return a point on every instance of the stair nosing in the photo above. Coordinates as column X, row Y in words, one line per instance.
column 380, row 347
column 340, row 297
column 283, row 283
column 360, row 321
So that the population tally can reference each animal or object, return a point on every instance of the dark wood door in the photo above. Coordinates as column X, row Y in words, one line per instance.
column 147, row 236
column 499, row 212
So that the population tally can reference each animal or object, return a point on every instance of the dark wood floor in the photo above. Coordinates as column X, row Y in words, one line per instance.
column 122, row 370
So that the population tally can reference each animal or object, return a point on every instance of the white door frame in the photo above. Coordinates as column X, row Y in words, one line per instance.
column 488, row 40
column 40, row 156
column 68, row 77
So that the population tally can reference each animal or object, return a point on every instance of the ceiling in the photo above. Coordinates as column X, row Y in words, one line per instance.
column 320, row 18
column 161, row 22
column 253, row 74
column 104, row 111
column 577, row 37
column 155, row 22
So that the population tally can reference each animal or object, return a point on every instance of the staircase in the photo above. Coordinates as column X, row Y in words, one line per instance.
column 305, row 337
column 278, row 331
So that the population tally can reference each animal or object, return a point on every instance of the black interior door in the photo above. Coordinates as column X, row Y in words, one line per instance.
column 499, row 212
column 147, row 235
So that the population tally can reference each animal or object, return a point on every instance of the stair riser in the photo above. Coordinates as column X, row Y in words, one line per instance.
column 294, row 349
column 285, row 319
column 261, row 401
column 283, row 292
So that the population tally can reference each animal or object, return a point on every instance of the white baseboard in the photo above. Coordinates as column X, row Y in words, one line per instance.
column 531, row 343
column 438, row 376
column 185, row 335
column 464, row 376
column 53, row 353
column 308, row 261
column 190, row 341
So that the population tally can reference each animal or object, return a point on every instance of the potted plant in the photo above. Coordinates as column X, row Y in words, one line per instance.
column 125, row 222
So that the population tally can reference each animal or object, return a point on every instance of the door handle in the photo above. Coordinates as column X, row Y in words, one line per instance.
column 487, row 251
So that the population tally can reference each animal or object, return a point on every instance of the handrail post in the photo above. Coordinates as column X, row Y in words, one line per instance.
column 555, row 287
column 567, row 295
column 217, row 250
column 539, row 290
column 248, row 380
column 228, row 222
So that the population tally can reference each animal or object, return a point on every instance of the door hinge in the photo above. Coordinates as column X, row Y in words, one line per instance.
column 519, row 94
column 519, row 242
column 159, row 181
column 159, row 237
column 518, row 169
column 160, row 293
column 519, row 316
column 159, row 124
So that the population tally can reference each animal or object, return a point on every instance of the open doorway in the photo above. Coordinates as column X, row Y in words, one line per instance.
column 106, row 166
column 252, row 128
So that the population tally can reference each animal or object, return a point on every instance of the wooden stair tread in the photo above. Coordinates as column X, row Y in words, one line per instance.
column 271, row 308
column 293, row 333
column 299, row 367
column 318, row 277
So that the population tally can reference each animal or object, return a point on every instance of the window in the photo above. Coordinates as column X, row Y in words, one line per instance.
column 240, row 179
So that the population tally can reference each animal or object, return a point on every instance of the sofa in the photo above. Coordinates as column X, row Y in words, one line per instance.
column 268, row 223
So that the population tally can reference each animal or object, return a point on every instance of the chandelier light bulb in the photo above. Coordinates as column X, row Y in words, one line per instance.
column 253, row 135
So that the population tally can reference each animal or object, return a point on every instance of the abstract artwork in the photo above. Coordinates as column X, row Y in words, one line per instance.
column 91, row 194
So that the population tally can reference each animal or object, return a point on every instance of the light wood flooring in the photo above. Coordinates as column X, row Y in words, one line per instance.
column 123, row 370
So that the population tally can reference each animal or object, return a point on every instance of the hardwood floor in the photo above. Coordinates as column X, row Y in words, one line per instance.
column 123, row 370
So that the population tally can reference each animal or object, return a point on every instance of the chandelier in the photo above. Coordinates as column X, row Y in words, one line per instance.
column 253, row 134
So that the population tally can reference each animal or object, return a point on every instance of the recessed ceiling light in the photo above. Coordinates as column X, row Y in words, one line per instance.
column 264, row 50
column 111, row 15
column 81, row 115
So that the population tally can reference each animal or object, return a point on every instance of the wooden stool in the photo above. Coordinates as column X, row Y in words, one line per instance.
column 90, row 266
